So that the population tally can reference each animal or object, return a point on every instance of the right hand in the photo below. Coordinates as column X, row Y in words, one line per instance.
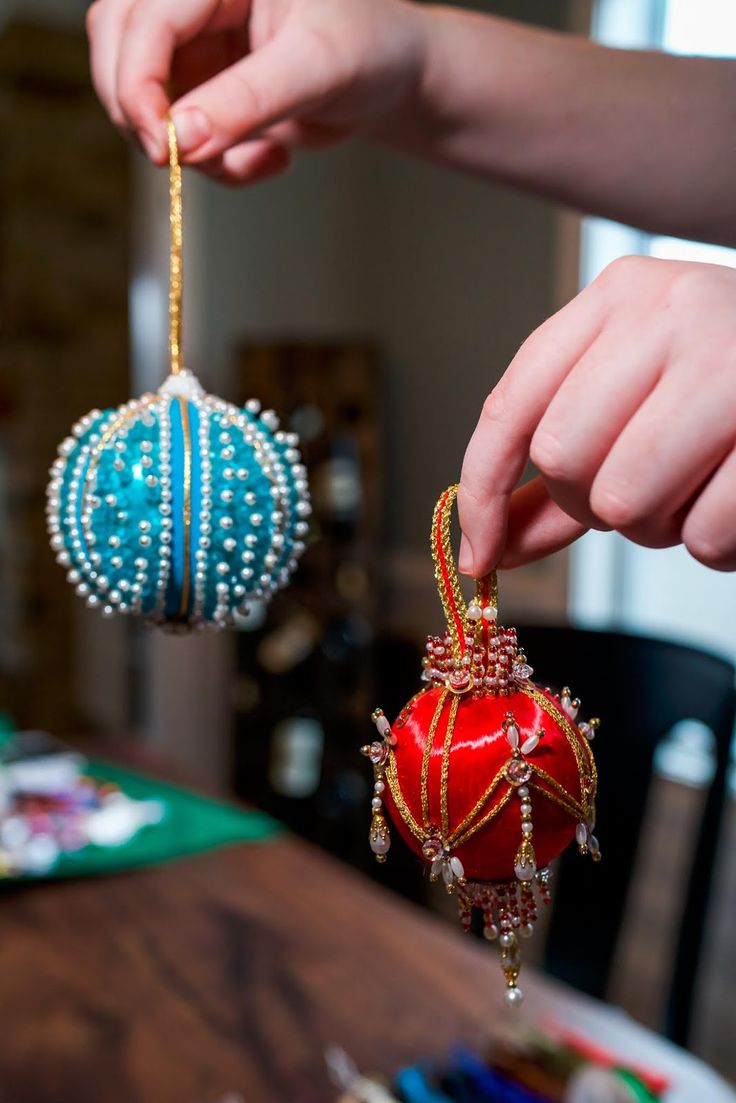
column 248, row 80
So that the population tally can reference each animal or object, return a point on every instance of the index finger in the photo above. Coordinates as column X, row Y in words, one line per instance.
column 105, row 22
column 499, row 448
column 153, row 31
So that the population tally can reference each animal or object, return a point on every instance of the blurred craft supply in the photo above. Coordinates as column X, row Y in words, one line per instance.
column 51, row 808
column 65, row 815
column 527, row 1066
column 355, row 1088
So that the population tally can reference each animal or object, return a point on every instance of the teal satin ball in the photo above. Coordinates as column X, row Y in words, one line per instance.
column 178, row 507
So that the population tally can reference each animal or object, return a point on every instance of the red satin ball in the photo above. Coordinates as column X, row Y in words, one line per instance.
column 443, row 789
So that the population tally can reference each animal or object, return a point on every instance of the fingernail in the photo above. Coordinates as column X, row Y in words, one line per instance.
column 465, row 557
column 192, row 129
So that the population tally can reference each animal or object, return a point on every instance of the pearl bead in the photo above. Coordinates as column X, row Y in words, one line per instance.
column 513, row 996
column 376, row 804
column 507, row 939
column 525, row 872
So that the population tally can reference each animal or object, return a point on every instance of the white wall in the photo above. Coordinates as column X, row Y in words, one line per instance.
column 446, row 273
column 656, row 592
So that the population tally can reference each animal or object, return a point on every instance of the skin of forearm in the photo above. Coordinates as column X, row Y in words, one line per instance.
column 640, row 137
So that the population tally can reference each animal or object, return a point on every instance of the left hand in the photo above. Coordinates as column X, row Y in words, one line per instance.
column 625, row 401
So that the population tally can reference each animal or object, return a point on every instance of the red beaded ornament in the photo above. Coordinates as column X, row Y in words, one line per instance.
column 486, row 776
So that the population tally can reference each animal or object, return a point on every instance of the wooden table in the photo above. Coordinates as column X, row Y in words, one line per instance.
column 231, row 972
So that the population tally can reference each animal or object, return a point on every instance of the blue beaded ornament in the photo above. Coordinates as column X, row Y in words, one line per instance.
column 178, row 506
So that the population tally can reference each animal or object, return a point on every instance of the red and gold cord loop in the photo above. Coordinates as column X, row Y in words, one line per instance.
column 446, row 574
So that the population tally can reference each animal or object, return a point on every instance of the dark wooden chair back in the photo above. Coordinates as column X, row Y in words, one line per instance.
column 640, row 688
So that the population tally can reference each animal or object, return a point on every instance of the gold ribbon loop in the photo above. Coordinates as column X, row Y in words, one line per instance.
column 446, row 574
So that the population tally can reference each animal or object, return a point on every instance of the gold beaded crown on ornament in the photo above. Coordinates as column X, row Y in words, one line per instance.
column 477, row 658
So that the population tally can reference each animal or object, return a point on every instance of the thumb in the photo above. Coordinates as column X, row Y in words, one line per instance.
column 536, row 526
column 289, row 75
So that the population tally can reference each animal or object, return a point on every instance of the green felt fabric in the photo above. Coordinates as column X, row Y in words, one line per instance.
column 639, row 1092
column 191, row 824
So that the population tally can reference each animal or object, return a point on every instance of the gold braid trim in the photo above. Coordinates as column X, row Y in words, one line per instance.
column 559, row 795
column 579, row 745
column 428, row 754
column 398, row 799
column 497, row 808
column 445, row 776
column 568, row 809
column 479, row 804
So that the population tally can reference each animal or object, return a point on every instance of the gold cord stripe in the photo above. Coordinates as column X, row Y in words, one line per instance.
column 398, row 799
column 427, row 754
column 578, row 743
column 572, row 810
column 445, row 775
column 490, row 814
column 478, row 807
column 576, row 808
column 176, row 263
